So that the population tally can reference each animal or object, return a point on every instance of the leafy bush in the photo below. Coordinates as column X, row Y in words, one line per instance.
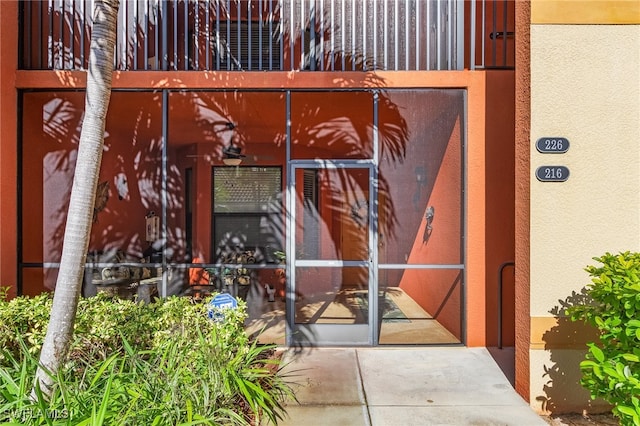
column 611, row 369
column 103, row 320
column 163, row 363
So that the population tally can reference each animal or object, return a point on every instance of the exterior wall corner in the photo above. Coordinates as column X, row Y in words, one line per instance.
column 8, row 144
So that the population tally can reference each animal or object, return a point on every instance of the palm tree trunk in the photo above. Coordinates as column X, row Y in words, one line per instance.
column 83, row 193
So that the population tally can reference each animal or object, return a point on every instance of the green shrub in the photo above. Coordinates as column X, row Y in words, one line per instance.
column 163, row 363
column 103, row 320
column 24, row 318
column 611, row 369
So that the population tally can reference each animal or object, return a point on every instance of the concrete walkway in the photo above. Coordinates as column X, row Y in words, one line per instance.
column 401, row 386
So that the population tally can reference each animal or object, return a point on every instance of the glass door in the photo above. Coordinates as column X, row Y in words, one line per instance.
column 332, row 256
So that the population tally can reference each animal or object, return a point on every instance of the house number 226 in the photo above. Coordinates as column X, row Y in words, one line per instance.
column 555, row 145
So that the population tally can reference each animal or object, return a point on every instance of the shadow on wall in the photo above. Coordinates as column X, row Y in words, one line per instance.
column 135, row 127
column 566, row 345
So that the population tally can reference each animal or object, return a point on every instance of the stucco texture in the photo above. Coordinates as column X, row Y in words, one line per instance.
column 555, row 389
column 584, row 87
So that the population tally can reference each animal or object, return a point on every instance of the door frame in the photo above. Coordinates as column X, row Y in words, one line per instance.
column 332, row 334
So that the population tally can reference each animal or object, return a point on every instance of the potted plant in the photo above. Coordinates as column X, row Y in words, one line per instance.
column 228, row 277
column 243, row 279
column 279, row 280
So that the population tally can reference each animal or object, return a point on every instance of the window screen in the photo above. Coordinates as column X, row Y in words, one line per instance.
column 236, row 233
column 246, row 189
column 247, row 211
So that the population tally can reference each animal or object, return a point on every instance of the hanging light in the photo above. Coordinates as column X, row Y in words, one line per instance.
column 232, row 155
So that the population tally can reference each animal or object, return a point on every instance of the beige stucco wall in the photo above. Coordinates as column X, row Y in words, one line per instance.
column 584, row 87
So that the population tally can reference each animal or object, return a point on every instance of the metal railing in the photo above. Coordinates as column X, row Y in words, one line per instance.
column 492, row 40
column 272, row 35
column 500, row 297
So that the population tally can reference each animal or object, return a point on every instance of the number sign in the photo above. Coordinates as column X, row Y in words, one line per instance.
column 552, row 145
column 552, row 173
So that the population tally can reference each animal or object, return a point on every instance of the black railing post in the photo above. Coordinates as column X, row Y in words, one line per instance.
column 500, row 271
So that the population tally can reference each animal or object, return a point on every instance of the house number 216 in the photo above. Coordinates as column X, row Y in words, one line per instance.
column 552, row 173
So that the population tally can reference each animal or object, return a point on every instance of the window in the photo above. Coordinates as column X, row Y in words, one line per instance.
column 248, row 45
column 247, row 211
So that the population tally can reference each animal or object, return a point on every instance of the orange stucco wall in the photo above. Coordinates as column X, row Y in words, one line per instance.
column 439, row 293
column 49, row 145
column 522, row 195
column 499, row 210
column 8, row 147
column 591, row 12
column 475, row 223
column 441, row 246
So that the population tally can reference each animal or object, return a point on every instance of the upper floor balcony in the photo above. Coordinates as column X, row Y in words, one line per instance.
column 276, row 35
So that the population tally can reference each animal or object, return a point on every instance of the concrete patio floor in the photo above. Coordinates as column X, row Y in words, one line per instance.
column 401, row 386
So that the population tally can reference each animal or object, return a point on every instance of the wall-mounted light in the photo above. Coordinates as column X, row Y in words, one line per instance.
column 429, row 215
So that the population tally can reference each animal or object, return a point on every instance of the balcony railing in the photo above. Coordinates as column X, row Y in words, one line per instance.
column 275, row 35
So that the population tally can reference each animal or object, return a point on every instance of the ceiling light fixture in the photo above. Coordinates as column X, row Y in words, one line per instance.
column 232, row 155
